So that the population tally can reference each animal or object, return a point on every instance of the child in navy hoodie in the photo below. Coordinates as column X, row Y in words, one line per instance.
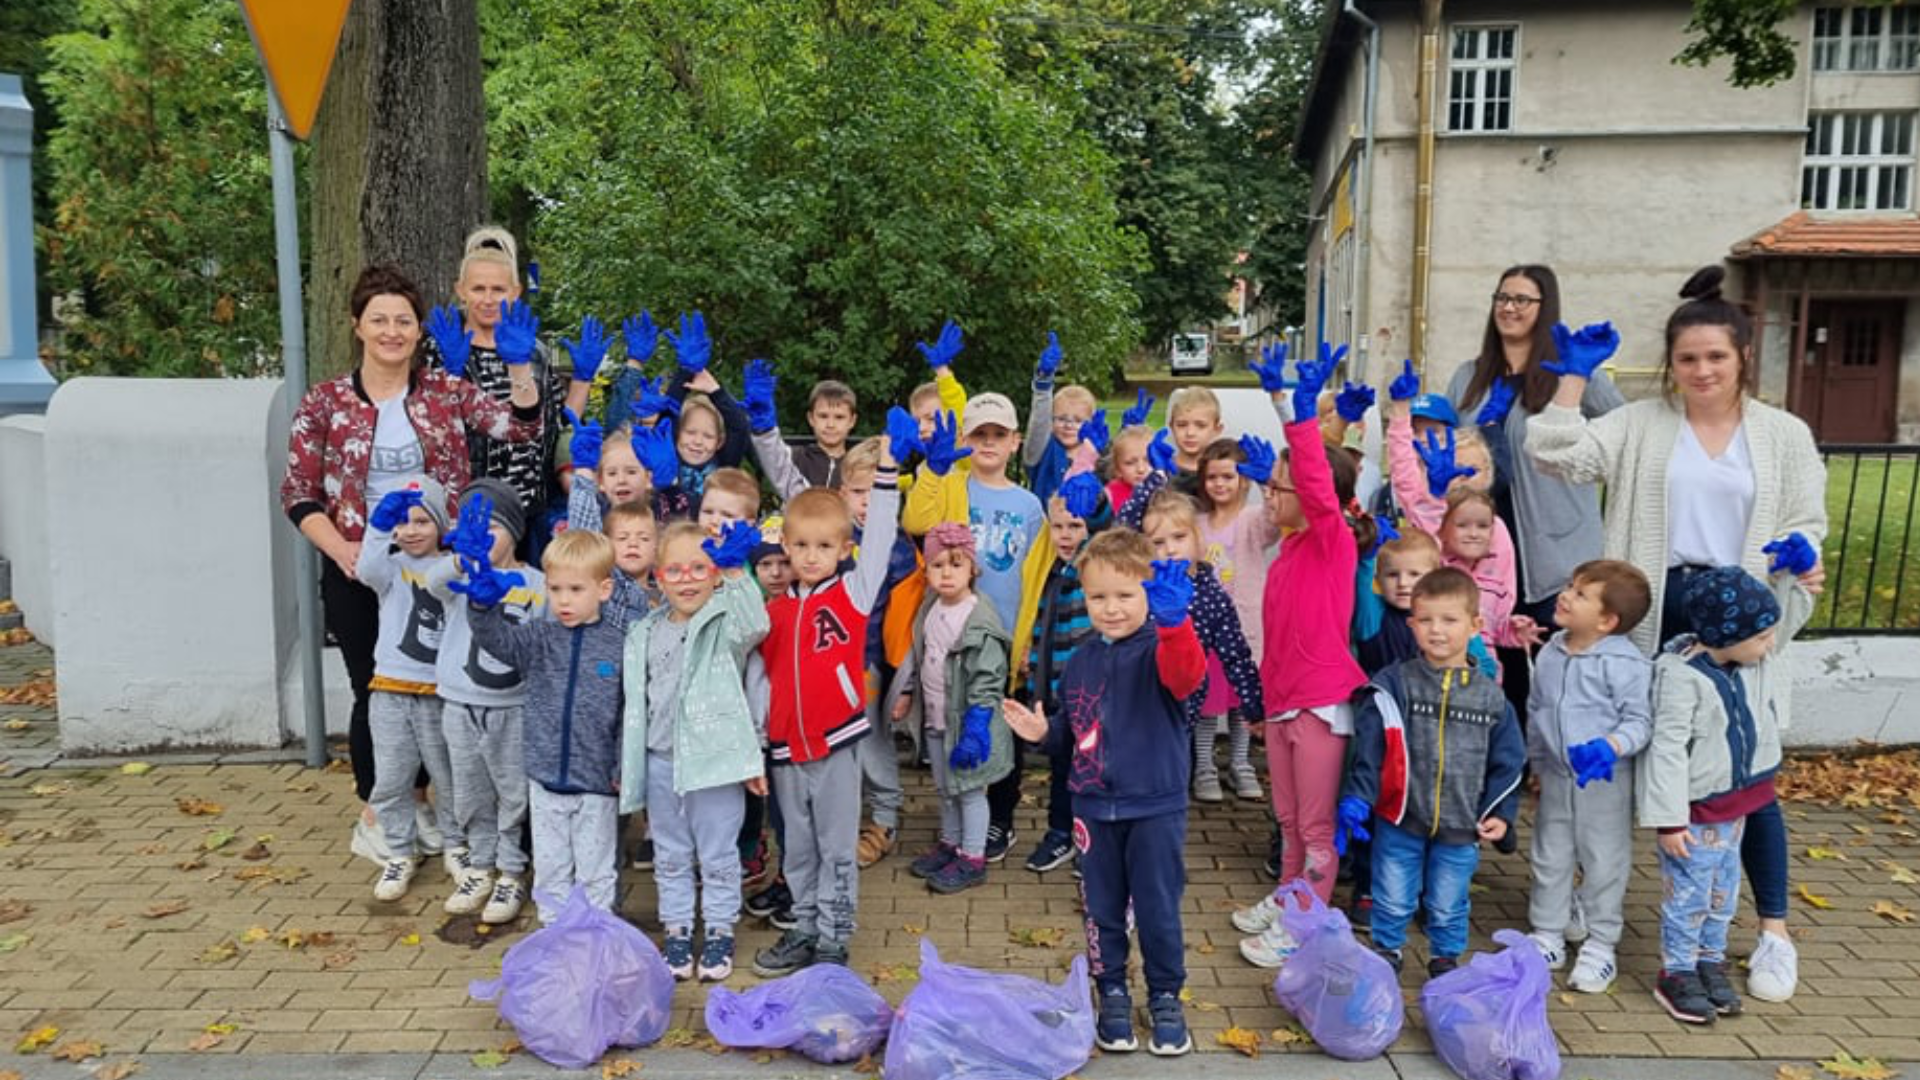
column 1122, row 713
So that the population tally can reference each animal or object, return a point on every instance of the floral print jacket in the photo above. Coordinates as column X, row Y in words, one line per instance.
column 331, row 442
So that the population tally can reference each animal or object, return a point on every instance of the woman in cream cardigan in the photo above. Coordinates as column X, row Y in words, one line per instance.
column 1707, row 475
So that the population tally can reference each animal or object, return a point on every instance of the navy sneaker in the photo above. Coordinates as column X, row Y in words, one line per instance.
column 1684, row 997
column 933, row 860
column 1391, row 956
column 999, row 839
column 678, row 950
column 1720, row 991
column 1442, row 965
column 1170, row 1036
column 1114, row 1032
column 1055, row 849
column 768, row 900
column 716, row 958
column 643, row 854
column 792, row 952
column 959, row 875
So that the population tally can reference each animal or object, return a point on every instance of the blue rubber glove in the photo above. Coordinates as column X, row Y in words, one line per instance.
column 642, row 336
column 1314, row 376
column 1142, row 406
column 584, row 447
column 1592, row 760
column 452, row 337
column 1438, row 458
column 1260, row 459
column 1792, row 553
column 1049, row 364
column 656, row 451
column 941, row 450
column 470, row 535
column 1160, row 451
column 589, row 351
column 1273, row 372
column 691, row 346
column 736, row 543
column 1406, row 385
column 903, row 434
column 973, row 744
column 1169, row 591
column 1081, row 493
column 518, row 333
column 485, row 586
column 1355, row 815
column 1383, row 533
column 394, row 508
column 533, row 277
column 1500, row 398
column 1353, row 402
column 1582, row 352
column 757, row 396
column 1095, row 431
column 941, row 352
column 652, row 401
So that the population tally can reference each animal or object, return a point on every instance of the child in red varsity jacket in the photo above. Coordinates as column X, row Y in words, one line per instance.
column 815, row 656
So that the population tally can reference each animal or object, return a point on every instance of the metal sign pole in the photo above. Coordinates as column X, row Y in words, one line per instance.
column 293, row 351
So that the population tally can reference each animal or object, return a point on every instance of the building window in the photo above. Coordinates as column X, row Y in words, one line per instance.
column 1885, row 38
column 1480, row 79
column 1858, row 161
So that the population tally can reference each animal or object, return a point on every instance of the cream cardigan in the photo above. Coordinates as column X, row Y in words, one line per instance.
column 1628, row 450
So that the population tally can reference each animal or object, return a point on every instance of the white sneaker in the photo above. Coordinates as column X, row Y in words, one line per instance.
column 1270, row 948
column 1246, row 784
column 1593, row 969
column 1577, row 921
column 504, row 905
column 458, row 861
column 1253, row 920
column 370, row 841
column 469, row 892
column 1553, row 949
column 1206, row 788
column 1773, row 971
column 426, row 830
column 394, row 880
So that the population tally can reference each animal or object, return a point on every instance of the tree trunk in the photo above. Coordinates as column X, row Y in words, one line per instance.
column 400, row 158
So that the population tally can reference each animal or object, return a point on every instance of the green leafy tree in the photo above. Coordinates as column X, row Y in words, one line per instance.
column 163, row 217
column 1747, row 33
column 827, row 181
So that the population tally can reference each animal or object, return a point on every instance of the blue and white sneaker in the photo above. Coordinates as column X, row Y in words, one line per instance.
column 1170, row 1035
column 678, row 950
column 1114, row 1032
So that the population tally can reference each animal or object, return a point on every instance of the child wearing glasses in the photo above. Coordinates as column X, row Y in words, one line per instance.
column 1063, row 427
column 690, row 747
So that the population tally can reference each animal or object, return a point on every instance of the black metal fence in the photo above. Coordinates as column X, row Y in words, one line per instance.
column 1873, row 567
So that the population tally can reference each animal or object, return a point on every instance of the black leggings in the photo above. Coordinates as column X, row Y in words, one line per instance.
column 352, row 614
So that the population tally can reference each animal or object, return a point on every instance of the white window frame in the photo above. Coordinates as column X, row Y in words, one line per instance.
column 1850, row 154
column 1480, row 72
column 1862, row 39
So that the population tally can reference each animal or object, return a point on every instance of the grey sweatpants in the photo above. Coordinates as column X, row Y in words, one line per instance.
column 821, row 803
column 489, row 783
column 407, row 734
column 1590, row 829
column 963, row 814
column 880, row 768
column 575, row 838
column 701, row 826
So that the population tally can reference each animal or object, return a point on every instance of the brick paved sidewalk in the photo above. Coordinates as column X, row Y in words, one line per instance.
column 126, row 921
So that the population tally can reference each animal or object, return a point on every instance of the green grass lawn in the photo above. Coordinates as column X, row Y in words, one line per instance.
column 1872, row 558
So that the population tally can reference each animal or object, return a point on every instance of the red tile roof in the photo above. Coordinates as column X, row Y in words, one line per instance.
column 1801, row 235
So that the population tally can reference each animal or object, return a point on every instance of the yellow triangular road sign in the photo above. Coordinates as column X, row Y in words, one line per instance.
column 296, row 40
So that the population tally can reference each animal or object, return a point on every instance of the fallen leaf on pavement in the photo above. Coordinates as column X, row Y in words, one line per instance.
column 913, row 928
column 1847, row 1067
column 47, row 791
column 1241, row 1039
column 220, row 952
column 618, row 1067
column 13, row 942
column 221, row 1029
column 136, row 768
column 218, row 839
column 77, row 1051
column 866, row 1066
column 255, row 934
column 14, row 910
column 1900, row 874
column 118, row 1070
column 885, row 973
column 1890, row 781
column 195, row 806
column 1038, row 937
column 166, row 908
column 19, row 635
column 410, row 939
column 1814, row 898
column 303, row 786
column 678, row 1037
column 38, row 692
column 1821, row 854
column 257, row 852
column 17, row 724
column 1286, row 1035
column 336, row 961
column 1793, row 1072
column 488, row 1059
column 9, row 1074
column 206, row 1040
column 190, row 865
column 1892, row 912
column 36, row 1040
column 1186, row 996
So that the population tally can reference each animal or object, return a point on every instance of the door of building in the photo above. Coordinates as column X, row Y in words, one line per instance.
column 1850, row 383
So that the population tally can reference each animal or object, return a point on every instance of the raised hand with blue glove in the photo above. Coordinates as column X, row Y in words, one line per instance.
column 736, row 543
column 518, row 333
column 757, row 396
column 1500, row 398
column 1383, row 533
column 1792, row 553
column 656, row 451
column 941, row 352
column 452, row 338
column 641, row 335
column 1169, row 592
column 652, row 401
column 1582, row 352
column 584, row 447
column 1592, row 760
column 973, row 745
column 1081, row 494
column 485, row 586
column 394, row 508
column 691, row 346
column 1273, row 368
column 1354, row 817
column 1095, row 431
column 903, row 434
column 1406, row 385
column 1049, row 364
column 941, row 449
column 589, row 351
column 1438, row 458
column 1314, row 376
column 1142, row 408
column 1260, row 459
column 472, row 535
column 1160, row 451
column 1353, row 401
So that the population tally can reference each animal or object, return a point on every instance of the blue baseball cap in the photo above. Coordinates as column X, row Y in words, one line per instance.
column 1435, row 407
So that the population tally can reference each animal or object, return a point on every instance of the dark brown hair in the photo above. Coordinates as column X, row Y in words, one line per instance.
column 1217, row 450
column 384, row 279
column 1345, row 466
column 1705, row 306
column 1624, row 592
column 1537, row 384
column 1448, row 583
column 1119, row 549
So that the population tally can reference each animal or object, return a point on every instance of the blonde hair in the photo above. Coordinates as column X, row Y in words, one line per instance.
column 1120, row 550
column 578, row 549
column 921, row 393
column 818, row 507
column 631, row 510
column 494, row 245
column 736, row 482
column 698, row 402
column 1407, row 544
column 1189, row 398
column 1127, row 436
column 1461, row 496
column 1168, row 503
column 862, row 460
column 1074, row 395
column 679, row 530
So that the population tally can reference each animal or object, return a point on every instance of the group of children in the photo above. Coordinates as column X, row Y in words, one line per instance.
column 1117, row 613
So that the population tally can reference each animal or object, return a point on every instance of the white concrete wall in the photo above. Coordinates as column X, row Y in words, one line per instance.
column 1846, row 690
column 23, row 519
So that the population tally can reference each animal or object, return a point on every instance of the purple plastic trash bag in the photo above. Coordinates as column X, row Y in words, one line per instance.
column 825, row 1013
column 962, row 1022
column 1488, row 1019
column 1343, row 993
column 587, row 981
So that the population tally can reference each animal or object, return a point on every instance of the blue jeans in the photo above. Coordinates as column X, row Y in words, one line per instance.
column 1763, row 858
column 1409, row 868
column 1702, row 891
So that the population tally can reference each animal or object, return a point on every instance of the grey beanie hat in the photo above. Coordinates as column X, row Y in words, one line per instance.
column 507, row 511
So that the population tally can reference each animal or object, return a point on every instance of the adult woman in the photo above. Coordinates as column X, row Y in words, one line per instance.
column 359, row 436
column 1708, row 479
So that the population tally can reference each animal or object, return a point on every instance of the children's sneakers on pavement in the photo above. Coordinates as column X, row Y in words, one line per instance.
column 1253, row 920
column 792, row 952
column 1773, row 970
column 1245, row 783
column 933, row 860
column 1055, row 849
column 1720, row 991
column 504, row 905
column 1593, row 969
column 963, row 872
column 1684, row 997
column 716, row 957
column 678, row 951
column 1270, row 948
column 1170, row 1037
column 999, row 840
column 1113, row 1032
column 470, row 891
column 1553, row 948
column 876, row 843
column 395, row 876
column 1206, row 787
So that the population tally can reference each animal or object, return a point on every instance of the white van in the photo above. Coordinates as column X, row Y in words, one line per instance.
column 1191, row 354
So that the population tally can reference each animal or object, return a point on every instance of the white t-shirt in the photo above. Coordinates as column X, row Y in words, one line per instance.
column 1709, row 501
column 397, row 456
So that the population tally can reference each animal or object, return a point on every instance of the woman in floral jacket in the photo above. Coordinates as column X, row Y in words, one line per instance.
column 359, row 436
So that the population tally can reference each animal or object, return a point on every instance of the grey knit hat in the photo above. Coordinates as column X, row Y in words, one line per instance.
column 507, row 511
